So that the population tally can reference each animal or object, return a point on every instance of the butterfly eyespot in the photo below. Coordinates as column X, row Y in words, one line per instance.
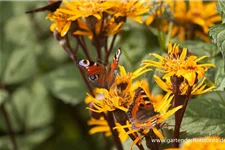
column 84, row 63
column 93, row 78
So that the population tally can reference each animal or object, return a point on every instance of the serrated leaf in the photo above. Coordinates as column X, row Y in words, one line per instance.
column 3, row 96
column 221, row 37
column 223, row 46
column 215, row 31
column 218, row 34
column 66, row 84
column 223, row 18
column 221, row 7
column 21, row 65
column 221, row 86
column 220, row 79
column 204, row 117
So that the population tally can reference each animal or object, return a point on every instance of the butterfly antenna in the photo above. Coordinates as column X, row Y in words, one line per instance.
column 101, row 61
column 50, row 7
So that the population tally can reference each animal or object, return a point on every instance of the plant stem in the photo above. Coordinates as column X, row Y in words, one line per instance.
column 115, row 134
column 121, row 117
column 64, row 42
column 85, row 49
column 179, row 117
column 98, row 48
column 83, row 46
column 140, row 146
column 106, row 45
column 149, row 141
column 110, row 49
column 8, row 126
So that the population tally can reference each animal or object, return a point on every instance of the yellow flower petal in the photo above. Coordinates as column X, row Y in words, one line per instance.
column 99, row 129
column 159, row 134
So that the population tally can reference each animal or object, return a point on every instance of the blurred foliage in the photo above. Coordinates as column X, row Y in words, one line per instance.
column 44, row 94
column 35, row 73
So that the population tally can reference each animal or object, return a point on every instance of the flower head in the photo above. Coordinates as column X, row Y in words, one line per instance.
column 84, row 8
column 198, row 88
column 191, row 19
column 194, row 20
column 101, row 125
column 145, row 119
column 160, row 105
column 179, row 64
column 61, row 22
column 120, row 94
column 130, row 9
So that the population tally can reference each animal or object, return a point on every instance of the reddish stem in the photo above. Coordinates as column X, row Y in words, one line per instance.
column 115, row 134
column 179, row 117
column 83, row 46
column 110, row 49
column 64, row 42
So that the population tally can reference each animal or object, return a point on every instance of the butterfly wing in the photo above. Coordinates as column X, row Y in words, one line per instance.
column 112, row 70
column 141, row 112
column 50, row 7
column 116, row 58
column 94, row 71
column 98, row 74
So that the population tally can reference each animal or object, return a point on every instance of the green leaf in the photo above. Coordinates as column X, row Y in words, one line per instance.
column 3, row 59
column 3, row 96
column 40, row 106
column 220, row 79
column 7, row 10
column 221, row 9
column 18, row 29
column 29, row 108
column 205, row 116
column 21, row 66
column 26, row 141
column 5, row 50
column 218, row 34
column 66, row 84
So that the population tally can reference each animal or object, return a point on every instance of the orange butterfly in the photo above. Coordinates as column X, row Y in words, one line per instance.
column 141, row 112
